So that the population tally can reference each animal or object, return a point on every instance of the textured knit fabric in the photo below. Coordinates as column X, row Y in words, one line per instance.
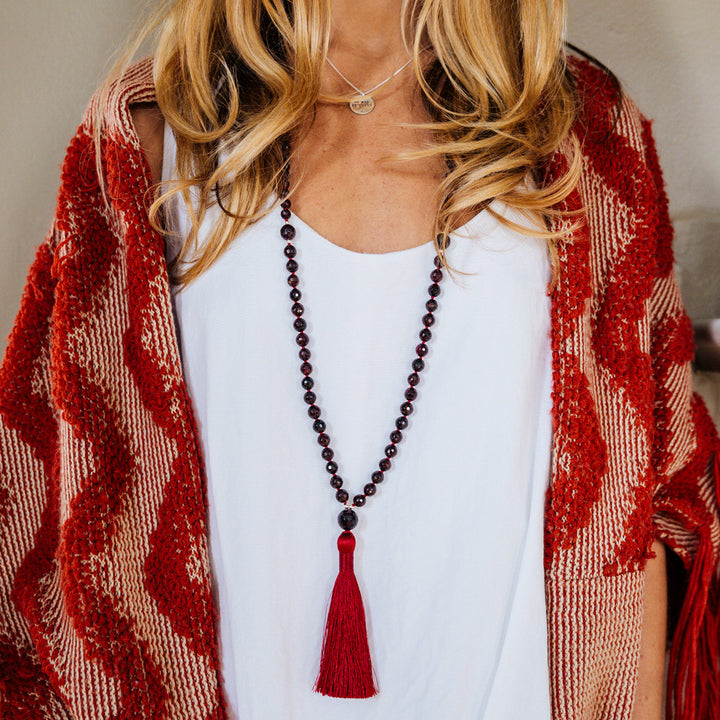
column 452, row 623
column 105, row 594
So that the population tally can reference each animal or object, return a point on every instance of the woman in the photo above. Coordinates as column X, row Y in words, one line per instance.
column 339, row 152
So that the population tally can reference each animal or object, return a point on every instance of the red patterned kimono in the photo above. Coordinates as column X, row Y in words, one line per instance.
column 105, row 595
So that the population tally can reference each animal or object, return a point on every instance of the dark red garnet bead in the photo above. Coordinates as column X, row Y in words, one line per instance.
column 323, row 439
column 428, row 320
column 436, row 275
column 401, row 423
column 291, row 265
column 411, row 394
column 293, row 280
column 342, row 496
column 422, row 349
column 285, row 204
column 332, row 467
column 285, row 213
column 336, row 481
column 306, row 368
column 396, row 436
column 418, row 364
column 307, row 382
column 385, row 464
column 359, row 500
column 424, row 334
column 431, row 305
column 327, row 453
column 302, row 339
column 405, row 408
column 304, row 354
column 290, row 250
column 314, row 412
column 309, row 397
column 348, row 519
column 299, row 324
column 377, row 477
column 413, row 379
column 319, row 425
column 370, row 489
column 297, row 309
column 390, row 450
column 288, row 233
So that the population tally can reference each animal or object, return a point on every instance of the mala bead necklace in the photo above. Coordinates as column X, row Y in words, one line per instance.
column 345, row 665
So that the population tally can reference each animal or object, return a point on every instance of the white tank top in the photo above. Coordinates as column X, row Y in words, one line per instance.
column 449, row 551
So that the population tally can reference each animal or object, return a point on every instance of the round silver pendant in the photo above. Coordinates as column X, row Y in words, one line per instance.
column 362, row 105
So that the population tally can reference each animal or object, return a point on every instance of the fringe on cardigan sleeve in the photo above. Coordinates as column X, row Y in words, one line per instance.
column 687, row 459
column 28, row 502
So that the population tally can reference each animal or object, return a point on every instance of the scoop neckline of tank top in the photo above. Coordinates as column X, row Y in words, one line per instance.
column 416, row 249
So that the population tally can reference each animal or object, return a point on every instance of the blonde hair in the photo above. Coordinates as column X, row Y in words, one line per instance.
column 244, row 74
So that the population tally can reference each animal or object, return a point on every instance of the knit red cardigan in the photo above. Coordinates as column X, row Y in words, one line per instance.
column 106, row 605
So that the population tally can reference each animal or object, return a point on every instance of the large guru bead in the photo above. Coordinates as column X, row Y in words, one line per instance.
column 348, row 519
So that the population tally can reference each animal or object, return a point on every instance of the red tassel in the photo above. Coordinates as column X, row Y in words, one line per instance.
column 345, row 668
column 694, row 661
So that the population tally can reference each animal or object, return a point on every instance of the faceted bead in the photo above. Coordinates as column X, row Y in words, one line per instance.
column 434, row 290
column 306, row 368
column 418, row 364
column 390, row 450
column 291, row 265
column 413, row 379
column 405, row 408
column 431, row 305
column 428, row 320
column 422, row 349
column 411, row 394
column 348, row 519
column 332, row 467
column 342, row 495
column 323, row 439
column 436, row 275
column 425, row 334
column 370, row 489
column 285, row 205
column 302, row 339
column 295, row 294
column 297, row 309
column 304, row 354
column 377, row 477
column 293, row 280
column 359, row 500
column 319, row 426
column 385, row 464
column 307, row 382
column 290, row 250
column 438, row 261
column 288, row 233
column 327, row 453
column 336, row 481
column 314, row 412
column 309, row 397
column 285, row 213
column 401, row 423
column 396, row 436
column 299, row 324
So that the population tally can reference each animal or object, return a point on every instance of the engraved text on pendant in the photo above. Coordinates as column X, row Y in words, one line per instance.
column 362, row 105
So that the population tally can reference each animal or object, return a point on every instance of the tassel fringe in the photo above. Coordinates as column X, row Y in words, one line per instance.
column 345, row 668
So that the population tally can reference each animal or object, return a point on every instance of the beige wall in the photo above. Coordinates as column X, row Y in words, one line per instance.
column 53, row 53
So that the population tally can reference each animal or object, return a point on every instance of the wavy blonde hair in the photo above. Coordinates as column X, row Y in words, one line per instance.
column 245, row 74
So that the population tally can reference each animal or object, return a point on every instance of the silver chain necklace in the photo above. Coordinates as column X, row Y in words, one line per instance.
column 363, row 104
